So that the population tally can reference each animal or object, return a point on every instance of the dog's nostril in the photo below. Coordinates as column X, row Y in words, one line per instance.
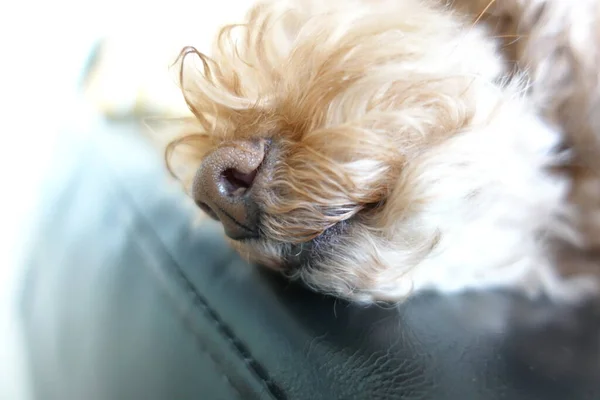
column 236, row 183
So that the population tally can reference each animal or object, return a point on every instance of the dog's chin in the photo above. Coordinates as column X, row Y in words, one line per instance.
column 295, row 259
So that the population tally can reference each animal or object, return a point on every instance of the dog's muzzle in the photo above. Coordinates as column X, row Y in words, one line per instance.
column 224, row 184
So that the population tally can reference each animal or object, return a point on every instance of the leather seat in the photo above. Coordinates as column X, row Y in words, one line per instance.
column 127, row 298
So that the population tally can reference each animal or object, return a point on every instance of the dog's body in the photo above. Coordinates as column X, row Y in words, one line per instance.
column 389, row 146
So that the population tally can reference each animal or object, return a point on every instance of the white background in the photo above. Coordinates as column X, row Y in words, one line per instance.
column 43, row 47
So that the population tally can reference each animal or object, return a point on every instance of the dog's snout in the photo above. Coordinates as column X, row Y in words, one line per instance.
column 223, row 187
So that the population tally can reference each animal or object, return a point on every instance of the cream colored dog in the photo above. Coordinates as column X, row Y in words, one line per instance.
column 374, row 148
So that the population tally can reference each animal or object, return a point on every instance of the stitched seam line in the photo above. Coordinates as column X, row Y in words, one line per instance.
column 243, row 352
column 195, row 333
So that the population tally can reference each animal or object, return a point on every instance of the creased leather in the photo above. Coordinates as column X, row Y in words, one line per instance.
column 127, row 299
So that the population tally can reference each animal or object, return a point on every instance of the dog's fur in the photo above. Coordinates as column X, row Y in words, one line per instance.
column 415, row 144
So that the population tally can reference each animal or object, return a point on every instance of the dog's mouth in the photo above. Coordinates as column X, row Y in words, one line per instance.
column 290, row 258
column 314, row 252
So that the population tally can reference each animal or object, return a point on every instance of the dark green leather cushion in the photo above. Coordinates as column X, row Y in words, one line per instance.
column 127, row 299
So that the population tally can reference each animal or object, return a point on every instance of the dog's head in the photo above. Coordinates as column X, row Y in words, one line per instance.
column 319, row 134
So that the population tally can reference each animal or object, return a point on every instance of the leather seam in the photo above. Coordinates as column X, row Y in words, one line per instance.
column 253, row 366
column 201, row 346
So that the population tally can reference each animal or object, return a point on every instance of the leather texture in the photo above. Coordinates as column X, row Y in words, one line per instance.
column 127, row 298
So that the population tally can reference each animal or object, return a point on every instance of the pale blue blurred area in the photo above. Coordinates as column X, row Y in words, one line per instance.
column 45, row 50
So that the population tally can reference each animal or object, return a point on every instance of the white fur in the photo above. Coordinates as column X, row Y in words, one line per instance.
column 491, row 197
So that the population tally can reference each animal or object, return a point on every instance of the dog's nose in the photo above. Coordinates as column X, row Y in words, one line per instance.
column 223, row 186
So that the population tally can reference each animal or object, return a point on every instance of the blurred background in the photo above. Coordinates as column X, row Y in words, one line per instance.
column 66, row 61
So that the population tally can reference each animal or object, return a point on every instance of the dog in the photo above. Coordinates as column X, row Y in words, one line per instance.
column 378, row 148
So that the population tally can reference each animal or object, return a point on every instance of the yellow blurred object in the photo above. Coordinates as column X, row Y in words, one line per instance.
column 131, row 76
column 133, row 79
